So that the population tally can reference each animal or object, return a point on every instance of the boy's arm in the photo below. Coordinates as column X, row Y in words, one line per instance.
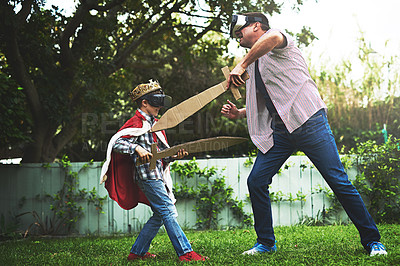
column 143, row 155
column 179, row 155
column 129, row 147
column 125, row 146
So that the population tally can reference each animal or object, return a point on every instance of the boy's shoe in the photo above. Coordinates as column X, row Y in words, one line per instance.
column 192, row 256
column 133, row 256
column 259, row 248
column 377, row 248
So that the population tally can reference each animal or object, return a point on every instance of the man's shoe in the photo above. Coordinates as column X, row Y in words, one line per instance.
column 192, row 256
column 259, row 248
column 377, row 248
column 133, row 256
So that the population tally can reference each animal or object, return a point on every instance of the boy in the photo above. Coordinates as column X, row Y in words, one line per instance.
column 129, row 183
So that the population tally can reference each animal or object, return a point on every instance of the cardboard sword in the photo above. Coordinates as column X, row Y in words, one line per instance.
column 210, row 144
column 180, row 112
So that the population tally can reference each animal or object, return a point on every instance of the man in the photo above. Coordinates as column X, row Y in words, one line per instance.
column 285, row 113
column 129, row 179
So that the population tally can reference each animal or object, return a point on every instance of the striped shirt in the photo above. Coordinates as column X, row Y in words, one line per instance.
column 291, row 89
column 128, row 146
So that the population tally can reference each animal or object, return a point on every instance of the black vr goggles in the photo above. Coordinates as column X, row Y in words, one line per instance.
column 158, row 100
column 240, row 21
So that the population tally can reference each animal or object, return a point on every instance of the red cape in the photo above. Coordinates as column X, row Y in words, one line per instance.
column 120, row 183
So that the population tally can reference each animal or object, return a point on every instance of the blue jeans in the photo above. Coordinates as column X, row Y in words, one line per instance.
column 315, row 139
column 164, row 212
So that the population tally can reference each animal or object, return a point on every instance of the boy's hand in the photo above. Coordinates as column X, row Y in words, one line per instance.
column 144, row 156
column 181, row 153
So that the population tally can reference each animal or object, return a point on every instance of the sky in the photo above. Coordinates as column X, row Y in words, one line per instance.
column 338, row 23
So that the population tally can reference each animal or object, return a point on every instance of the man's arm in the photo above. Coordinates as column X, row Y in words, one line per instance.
column 265, row 44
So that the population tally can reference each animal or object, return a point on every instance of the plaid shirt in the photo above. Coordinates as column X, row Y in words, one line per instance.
column 128, row 146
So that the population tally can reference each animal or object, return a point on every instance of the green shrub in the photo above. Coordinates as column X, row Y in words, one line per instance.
column 211, row 197
column 378, row 178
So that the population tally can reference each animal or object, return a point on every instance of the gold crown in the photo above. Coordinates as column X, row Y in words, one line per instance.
column 144, row 89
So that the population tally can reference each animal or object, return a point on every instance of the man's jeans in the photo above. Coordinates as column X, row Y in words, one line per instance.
column 164, row 212
column 315, row 139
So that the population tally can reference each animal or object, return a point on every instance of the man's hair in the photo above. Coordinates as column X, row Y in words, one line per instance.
column 264, row 23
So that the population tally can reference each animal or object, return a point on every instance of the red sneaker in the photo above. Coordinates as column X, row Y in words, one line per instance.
column 192, row 256
column 133, row 256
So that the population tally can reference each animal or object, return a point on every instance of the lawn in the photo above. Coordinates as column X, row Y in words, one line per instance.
column 297, row 245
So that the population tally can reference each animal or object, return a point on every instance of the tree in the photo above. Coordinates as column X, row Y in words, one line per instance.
column 68, row 66
column 14, row 119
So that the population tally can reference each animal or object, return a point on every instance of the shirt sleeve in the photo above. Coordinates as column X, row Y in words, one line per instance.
column 125, row 146
column 289, row 41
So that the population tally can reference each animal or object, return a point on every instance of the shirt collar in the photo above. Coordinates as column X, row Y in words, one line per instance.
column 149, row 118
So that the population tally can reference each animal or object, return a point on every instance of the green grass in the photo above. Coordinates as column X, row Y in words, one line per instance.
column 297, row 245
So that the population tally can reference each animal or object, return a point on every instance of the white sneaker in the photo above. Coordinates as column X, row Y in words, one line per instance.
column 377, row 248
column 259, row 248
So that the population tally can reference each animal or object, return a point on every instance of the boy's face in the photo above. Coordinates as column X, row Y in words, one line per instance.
column 149, row 109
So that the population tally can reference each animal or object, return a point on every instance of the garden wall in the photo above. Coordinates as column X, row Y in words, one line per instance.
column 24, row 187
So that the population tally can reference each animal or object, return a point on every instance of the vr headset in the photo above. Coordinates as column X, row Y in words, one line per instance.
column 158, row 100
column 240, row 21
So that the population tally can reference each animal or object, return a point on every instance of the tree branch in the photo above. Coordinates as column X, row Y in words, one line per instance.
column 65, row 136
column 122, row 56
column 25, row 11
column 196, row 38
column 8, row 32
column 196, row 16
column 15, row 60
column 67, row 53
column 67, row 57
column 108, row 6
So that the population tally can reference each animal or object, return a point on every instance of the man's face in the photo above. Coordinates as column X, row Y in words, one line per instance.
column 245, row 36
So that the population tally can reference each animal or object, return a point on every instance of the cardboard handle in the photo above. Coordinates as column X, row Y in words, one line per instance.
column 233, row 88
column 153, row 159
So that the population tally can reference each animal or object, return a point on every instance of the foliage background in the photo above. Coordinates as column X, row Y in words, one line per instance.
column 64, row 79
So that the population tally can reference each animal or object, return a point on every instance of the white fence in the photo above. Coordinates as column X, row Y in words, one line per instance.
column 23, row 186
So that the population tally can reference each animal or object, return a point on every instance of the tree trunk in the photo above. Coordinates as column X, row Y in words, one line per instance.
column 47, row 145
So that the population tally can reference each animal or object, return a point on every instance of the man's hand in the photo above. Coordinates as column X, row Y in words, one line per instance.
column 181, row 153
column 230, row 111
column 235, row 77
column 144, row 156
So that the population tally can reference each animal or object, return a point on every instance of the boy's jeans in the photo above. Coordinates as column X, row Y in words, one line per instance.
column 164, row 212
column 315, row 139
